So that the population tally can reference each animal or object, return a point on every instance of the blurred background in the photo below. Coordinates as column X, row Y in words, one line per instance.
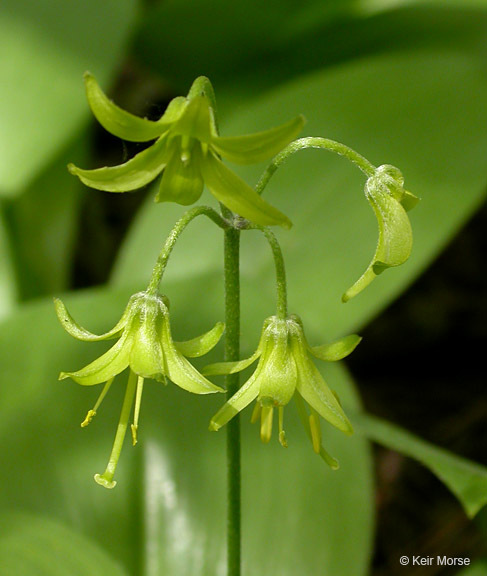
column 401, row 81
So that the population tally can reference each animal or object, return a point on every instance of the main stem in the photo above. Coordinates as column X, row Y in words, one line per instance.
column 232, row 353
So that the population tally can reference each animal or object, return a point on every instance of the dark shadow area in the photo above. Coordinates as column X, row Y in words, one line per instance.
column 423, row 369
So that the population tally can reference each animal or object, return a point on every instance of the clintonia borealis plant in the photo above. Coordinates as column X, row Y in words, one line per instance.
column 187, row 153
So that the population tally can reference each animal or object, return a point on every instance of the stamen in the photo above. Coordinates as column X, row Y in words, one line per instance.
column 256, row 413
column 282, row 434
column 315, row 429
column 106, row 479
column 89, row 417
column 133, row 429
column 328, row 458
column 92, row 413
column 311, row 424
column 266, row 423
column 138, row 399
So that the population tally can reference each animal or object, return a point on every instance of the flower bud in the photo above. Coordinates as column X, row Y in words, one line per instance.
column 390, row 201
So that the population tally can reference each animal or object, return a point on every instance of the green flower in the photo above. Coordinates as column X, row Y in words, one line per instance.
column 146, row 347
column 285, row 370
column 385, row 192
column 187, row 149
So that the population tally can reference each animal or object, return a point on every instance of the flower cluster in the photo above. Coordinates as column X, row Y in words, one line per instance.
column 187, row 151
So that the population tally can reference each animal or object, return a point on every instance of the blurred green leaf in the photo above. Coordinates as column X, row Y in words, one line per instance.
column 212, row 38
column 466, row 479
column 477, row 569
column 8, row 283
column 246, row 47
column 42, row 224
column 38, row 546
column 167, row 512
column 413, row 110
column 46, row 46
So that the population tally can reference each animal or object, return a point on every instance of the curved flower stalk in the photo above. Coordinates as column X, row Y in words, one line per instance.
column 146, row 347
column 384, row 189
column 285, row 370
column 187, row 150
column 390, row 201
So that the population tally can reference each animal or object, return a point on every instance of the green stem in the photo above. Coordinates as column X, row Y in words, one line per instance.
column 281, row 284
column 232, row 353
column 314, row 142
column 171, row 240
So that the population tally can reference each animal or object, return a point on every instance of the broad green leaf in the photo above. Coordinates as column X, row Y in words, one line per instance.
column 42, row 225
column 247, row 45
column 215, row 38
column 8, row 281
column 32, row 545
column 167, row 512
column 46, row 47
column 334, row 233
column 370, row 6
column 247, row 48
column 466, row 479
column 476, row 569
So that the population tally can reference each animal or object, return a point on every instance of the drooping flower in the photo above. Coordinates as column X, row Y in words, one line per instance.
column 285, row 371
column 187, row 149
column 145, row 346
column 390, row 201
